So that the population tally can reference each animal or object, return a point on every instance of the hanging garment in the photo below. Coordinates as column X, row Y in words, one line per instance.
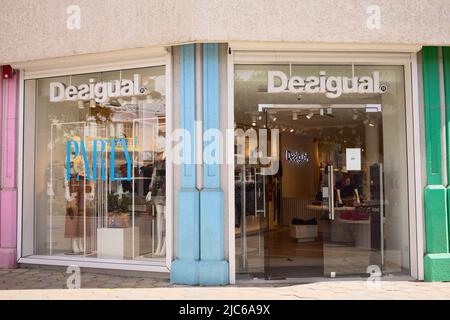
column 75, row 212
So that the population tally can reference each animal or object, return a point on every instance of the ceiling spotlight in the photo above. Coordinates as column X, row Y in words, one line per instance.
column 309, row 115
column 274, row 119
column 371, row 124
column 294, row 116
column 292, row 130
column 253, row 124
column 121, row 101
column 259, row 117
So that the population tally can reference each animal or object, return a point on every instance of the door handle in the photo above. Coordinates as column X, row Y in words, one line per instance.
column 331, row 191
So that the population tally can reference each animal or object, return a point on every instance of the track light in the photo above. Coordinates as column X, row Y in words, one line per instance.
column 294, row 116
column 309, row 115
column 121, row 101
column 292, row 130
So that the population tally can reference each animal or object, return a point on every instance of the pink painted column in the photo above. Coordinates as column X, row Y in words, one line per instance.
column 8, row 170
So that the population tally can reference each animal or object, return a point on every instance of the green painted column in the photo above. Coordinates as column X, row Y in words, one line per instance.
column 446, row 67
column 435, row 194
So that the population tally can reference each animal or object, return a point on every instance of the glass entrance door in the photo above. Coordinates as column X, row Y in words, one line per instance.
column 337, row 203
column 352, row 192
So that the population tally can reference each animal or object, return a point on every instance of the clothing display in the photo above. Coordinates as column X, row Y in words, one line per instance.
column 157, row 186
column 75, row 210
column 145, row 172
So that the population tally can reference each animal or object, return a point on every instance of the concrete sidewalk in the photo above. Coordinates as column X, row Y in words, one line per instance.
column 50, row 284
column 354, row 290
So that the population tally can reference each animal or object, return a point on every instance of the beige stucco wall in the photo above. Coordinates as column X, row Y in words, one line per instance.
column 31, row 29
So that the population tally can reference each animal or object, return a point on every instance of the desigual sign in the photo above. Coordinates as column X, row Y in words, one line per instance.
column 98, row 91
column 331, row 86
column 296, row 157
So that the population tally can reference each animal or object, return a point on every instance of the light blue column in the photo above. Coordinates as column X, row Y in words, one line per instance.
column 213, row 268
column 185, row 267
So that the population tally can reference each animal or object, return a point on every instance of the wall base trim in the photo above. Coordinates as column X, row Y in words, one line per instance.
column 213, row 273
column 8, row 258
column 437, row 267
column 185, row 272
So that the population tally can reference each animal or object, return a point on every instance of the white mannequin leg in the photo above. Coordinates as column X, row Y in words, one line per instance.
column 163, row 249
column 80, row 244
column 159, row 219
column 161, row 213
column 75, row 247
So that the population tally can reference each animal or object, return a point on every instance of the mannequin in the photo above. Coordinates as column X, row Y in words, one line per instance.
column 74, row 194
column 156, row 194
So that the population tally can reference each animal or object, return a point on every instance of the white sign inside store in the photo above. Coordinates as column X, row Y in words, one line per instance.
column 331, row 86
column 353, row 158
column 98, row 91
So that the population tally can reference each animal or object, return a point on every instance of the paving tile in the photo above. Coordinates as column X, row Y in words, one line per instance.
column 14, row 284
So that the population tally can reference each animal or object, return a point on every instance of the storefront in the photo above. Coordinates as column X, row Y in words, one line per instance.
column 324, row 178
column 95, row 184
column 335, row 195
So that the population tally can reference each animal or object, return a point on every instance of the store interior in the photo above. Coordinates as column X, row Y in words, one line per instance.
column 330, row 151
